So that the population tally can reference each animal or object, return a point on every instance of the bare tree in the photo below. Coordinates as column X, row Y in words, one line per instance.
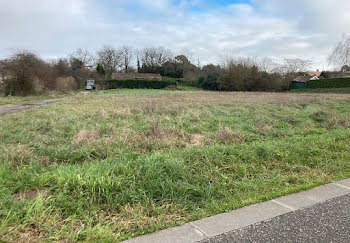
column 84, row 56
column 109, row 59
column 126, row 54
column 266, row 64
column 238, row 60
column 341, row 53
column 294, row 65
column 153, row 57
column 26, row 73
column 3, row 71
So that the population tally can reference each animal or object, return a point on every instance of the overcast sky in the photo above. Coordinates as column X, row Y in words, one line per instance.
column 202, row 28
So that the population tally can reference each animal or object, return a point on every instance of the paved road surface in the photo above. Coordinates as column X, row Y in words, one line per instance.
column 325, row 222
column 8, row 109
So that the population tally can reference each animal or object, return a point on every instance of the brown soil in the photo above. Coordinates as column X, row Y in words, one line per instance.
column 29, row 195
column 30, row 236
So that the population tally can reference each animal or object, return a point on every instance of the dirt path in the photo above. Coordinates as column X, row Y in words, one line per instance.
column 8, row 109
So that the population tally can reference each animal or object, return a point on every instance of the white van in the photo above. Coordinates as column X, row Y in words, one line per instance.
column 90, row 84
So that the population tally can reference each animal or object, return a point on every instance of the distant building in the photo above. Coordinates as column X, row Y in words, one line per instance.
column 300, row 82
column 136, row 76
column 314, row 74
column 345, row 74
column 314, row 78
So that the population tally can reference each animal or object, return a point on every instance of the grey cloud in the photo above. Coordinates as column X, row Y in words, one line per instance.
column 302, row 28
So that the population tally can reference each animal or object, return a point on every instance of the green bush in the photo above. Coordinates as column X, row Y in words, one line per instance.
column 183, row 81
column 329, row 83
column 139, row 84
column 210, row 82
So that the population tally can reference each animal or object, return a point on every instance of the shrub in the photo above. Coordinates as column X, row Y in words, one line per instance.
column 101, row 84
column 241, row 76
column 140, row 84
column 244, row 77
column 65, row 84
column 188, row 82
column 329, row 83
column 210, row 77
column 210, row 82
column 184, row 81
column 37, row 85
column 26, row 74
column 2, row 89
column 324, row 74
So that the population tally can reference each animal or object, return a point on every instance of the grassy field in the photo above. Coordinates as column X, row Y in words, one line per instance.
column 113, row 165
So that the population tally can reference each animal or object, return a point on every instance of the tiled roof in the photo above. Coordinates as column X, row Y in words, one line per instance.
column 302, row 79
column 313, row 74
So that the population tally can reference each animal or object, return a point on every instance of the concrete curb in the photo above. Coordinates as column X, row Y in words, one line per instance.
column 243, row 217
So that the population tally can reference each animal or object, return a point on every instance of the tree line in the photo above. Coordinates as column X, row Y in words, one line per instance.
column 25, row 72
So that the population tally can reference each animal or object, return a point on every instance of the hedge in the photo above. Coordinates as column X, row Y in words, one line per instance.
column 183, row 81
column 139, row 84
column 193, row 83
column 329, row 83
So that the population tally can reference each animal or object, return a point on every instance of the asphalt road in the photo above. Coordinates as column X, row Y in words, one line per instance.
column 325, row 222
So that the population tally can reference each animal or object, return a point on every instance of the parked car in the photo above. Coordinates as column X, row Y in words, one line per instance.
column 90, row 84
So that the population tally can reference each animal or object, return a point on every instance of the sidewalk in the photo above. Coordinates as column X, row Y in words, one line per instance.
column 269, row 219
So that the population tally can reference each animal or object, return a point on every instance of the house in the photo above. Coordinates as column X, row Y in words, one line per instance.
column 345, row 74
column 314, row 74
column 300, row 82
column 136, row 76
column 342, row 74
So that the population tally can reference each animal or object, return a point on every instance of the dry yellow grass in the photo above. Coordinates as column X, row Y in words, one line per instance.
column 124, row 105
column 196, row 140
column 86, row 136
column 226, row 136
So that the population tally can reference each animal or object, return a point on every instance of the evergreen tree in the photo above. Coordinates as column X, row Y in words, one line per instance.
column 100, row 69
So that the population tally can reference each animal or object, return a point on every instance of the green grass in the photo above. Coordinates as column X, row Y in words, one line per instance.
column 131, row 91
column 183, row 81
column 188, row 88
column 11, row 100
column 323, row 90
column 135, row 169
